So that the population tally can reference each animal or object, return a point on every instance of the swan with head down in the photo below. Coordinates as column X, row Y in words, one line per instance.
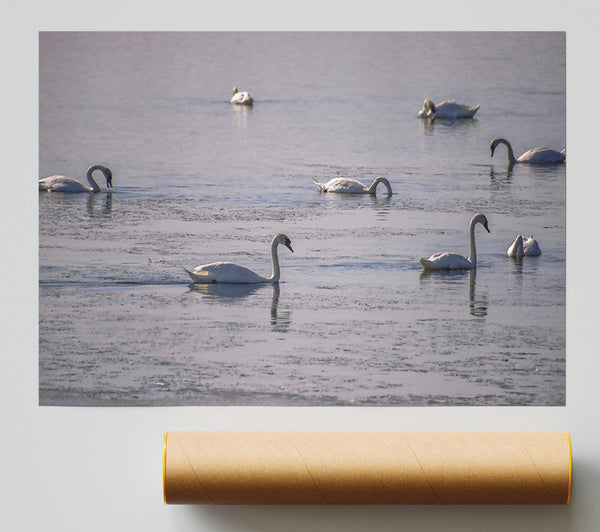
column 61, row 183
column 345, row 185
column 453, row 261
column 447, row 109
column 227, row 272
column 241, row 97
column 524, row 248
column 532, row 156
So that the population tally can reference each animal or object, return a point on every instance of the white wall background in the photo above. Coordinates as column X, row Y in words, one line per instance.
column 99, row 469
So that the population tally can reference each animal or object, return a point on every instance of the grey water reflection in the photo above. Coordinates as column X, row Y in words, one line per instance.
column 501, row 176
column 453, row 280
column 219, row 291
column 457, row 124
column 240, row 114
column 382, row 204
column 280, row 320
column 96, row 206
column 478, row 302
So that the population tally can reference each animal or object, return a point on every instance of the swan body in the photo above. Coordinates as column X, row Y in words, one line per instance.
column 352, row 186
column 61, row 183
column 227, row 272
column 448, row 109
column 524, row 248
column 533, row 156
column 453, row 261
column 241, row 98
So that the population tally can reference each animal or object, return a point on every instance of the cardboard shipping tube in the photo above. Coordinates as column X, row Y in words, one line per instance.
column 367, row 467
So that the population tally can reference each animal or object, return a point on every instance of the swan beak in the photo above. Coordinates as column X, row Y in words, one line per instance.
column 492, row 150
column 288, row 245
column 486, row 228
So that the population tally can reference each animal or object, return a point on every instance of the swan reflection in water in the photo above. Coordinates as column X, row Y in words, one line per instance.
column 98, row 206
column 280, row 320
column 501, row 177
column 478, row 302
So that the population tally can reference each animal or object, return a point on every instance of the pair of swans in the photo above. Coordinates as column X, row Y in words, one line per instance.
column 524, row 248
column 453, row 261
column 345, row 185
column 532, row 156
column 241, row 97
column 448, row 109
column 227, row 272
column 61, row 183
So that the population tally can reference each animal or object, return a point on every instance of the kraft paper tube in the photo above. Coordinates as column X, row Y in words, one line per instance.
column 367, row 467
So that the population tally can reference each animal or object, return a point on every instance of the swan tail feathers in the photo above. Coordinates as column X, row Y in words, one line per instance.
column 191, row 274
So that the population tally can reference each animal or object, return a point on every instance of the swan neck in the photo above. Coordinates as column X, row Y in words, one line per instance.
column 509, row 150
column 472, row 251
column 90, row 178
column 374, row 184
column 275, row 260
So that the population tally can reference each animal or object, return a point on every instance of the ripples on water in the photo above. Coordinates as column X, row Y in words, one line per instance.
column 354, row 321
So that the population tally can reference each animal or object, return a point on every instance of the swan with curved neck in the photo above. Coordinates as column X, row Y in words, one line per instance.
column 61, row 183
column 448, row 109
column 352, row 186
column 227, row 272
column 241, row 97
column 454, row 261
column 524, row 248
column 533, row 156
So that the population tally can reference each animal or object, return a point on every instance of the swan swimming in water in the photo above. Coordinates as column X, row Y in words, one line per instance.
column 227, row 272
column 524, row 248
column 454, row 261
column 352, row 186
column 241, row 98
column 448, row 109
column 61, row 183
column 533, row 156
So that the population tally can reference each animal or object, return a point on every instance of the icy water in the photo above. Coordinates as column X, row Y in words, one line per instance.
column 354, row 320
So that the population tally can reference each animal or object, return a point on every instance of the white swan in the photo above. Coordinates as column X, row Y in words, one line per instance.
column 61, row 183
column 227, row 272
column 454, row 261
column 241, row 98
column 533, row 156
column 352, row 186
column 524, row 248
column 448, row 109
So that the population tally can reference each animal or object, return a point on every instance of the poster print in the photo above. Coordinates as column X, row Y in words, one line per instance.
column 188, row 177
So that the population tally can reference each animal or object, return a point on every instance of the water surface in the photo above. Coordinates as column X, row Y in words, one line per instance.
column 354, row 320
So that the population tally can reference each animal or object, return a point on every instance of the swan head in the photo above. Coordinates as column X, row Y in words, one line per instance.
column 235, row 91
column 282, row 239
column 428, row 109
column 480, row 219
column 108, row 175
column 494, row 144
column 429, row 105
